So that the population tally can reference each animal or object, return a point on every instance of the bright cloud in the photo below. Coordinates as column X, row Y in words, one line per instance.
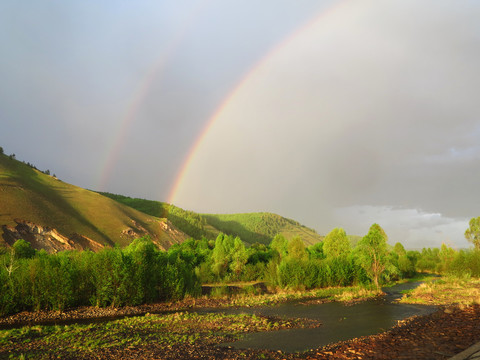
column 413, row 228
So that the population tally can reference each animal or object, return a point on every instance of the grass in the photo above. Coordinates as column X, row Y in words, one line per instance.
column 261, row 227
column 250, row 227
column 163, row 330
column 31, row 195
column 344, row 294
column 446, row 291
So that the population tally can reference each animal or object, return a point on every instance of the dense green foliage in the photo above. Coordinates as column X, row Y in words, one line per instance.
column 372, row 254
column 112, row 277
column 336, row 243
column 472, row 234
column 140, row 273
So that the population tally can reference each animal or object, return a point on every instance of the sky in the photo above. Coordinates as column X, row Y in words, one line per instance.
column 333, row 113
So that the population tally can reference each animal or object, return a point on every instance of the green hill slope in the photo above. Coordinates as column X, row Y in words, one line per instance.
column 191, row 223
column 251, row 227
column 29, row 195
column 261, row 227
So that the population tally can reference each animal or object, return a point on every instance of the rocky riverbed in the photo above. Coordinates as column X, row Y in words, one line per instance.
column 436, row 336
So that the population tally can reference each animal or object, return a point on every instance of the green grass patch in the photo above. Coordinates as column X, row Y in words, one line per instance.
column 446, row 291
column 345, row 294
column 165, row 330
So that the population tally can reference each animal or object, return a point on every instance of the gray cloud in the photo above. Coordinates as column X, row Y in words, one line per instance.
column 374, row 104
column 351, row 113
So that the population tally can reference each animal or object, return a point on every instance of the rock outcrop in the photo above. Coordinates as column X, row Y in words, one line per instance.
column 46, row 238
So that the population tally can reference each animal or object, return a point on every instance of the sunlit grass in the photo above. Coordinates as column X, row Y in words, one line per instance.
column 446, row 291
column 347, row 293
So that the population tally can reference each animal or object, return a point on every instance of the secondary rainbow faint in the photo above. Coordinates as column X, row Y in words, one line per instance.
column 182, row 175
column 140, row 94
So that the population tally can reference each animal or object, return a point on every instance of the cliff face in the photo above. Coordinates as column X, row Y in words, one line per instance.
column 46, row 238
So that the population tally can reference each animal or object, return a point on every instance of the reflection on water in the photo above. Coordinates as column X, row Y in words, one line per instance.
column 339, row 322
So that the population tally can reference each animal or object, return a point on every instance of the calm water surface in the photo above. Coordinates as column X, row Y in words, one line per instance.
column 339, row 322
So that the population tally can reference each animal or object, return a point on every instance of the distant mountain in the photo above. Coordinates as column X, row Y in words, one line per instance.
column 250, row 227
column 54, row 215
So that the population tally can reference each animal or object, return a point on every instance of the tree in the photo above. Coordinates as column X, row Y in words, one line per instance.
column 336, row 243
column 472, row 234
column 1, row 150
column 373, row 253
column 399, row 249
column 279, row 244
column 239, row 258
column 219, row 257
column 296, row 249
column 23, row 249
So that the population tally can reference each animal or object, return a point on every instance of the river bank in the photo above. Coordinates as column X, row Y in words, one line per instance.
column 188, row 336
column 89, row 313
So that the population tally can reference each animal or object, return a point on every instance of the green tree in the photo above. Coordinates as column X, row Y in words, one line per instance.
column 373, row 253
column 239, row 258
column 399, row 249
column 446, row 255
column 219, row 257
column 336, row 243
column 23, row 249
column 472, row 234
column 296, row 249
column 316, row 251
column 280, row 244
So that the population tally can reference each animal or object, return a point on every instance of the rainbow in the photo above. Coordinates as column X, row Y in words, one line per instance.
column 141, row 93
column 231, row 96
column 156, row 70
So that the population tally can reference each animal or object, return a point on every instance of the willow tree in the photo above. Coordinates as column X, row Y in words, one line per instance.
column 373, row 253
column 336, row 243
column 472, row 234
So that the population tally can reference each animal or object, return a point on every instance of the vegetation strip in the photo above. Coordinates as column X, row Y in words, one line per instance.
column 178, row 329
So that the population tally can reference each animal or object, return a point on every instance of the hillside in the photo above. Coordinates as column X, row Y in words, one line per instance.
column 55, row 215
column 251, row 227
column 191, row 223
column 261, row 227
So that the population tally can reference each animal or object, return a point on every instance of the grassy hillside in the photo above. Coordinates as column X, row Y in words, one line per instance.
column 261, row 227
column 28, row 194
column 251, row 228
column 191, row 223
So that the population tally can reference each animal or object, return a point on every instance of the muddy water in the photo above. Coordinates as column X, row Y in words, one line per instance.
column 339, row 322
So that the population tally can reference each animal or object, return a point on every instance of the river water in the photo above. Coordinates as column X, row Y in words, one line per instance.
column 339, row 322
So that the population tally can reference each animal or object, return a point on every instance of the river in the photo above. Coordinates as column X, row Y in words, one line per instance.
column 339, row 322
